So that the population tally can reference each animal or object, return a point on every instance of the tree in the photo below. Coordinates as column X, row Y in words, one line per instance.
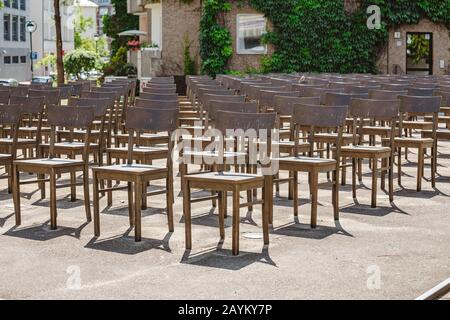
column 80, row 62
column 59, row 43
column 80, row 25
column 119, row 22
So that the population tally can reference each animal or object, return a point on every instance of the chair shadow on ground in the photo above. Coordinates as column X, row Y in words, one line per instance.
column 300, row 230
column 367, row 210
column 220, row 258
column 4, row 219
column 125, row 244
column 44, row 233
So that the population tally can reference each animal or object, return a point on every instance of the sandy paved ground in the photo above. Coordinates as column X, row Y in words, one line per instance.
column 394, row 252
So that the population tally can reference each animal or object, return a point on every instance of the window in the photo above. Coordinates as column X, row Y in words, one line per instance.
column 15, row 4
column 15, row 59
column 23, row 59
column 250, row 29
column 7, row 27
column 6, row 3
column 23, row 36
column 23, row 5
column 15, row 28
column 7, row 60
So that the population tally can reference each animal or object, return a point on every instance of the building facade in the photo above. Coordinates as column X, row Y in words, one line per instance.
column 104, row 8
column 44, row 39
column 14, row 40
column 169, row 22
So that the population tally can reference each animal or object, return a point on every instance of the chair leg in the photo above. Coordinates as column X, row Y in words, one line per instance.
column 236, row 222
column 9, row 170
column 266, row 209
column 374, row 182
column 391, row 179
column 399, row 166
column 314, row 191
column 360, row 170
column 336, row 195
column 16, row 194
column 53, row 212
column 144, row 196
column 130, row 204
column 383, row 174
column 344, row 171
column 295, row 192
column 137, row 209
column 420, row 165
column 96, row 205
column 187, row 214
column 169, row 202
column 221, row 201
column 433, row 169
column 109, row 183
column 73, row 187
column 87, row 200
column 41, row 185
column 354, row 178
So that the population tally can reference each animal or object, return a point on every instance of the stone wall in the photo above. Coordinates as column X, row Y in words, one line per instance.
column 397, row 47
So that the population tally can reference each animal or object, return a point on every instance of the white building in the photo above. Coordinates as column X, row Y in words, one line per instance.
column 44, row 39
column 89, row 10
column 14, row 40
column 104, row 8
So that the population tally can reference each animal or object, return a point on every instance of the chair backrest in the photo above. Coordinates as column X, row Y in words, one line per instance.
column 266, row 97
column 169, row 79
column 10, row 114
column 360, row 89
column 157, row 104
column 65, row 92
column 100, row 105
column 4, row 97
column 70, row 117
column 241, row 107
column 216, row 91
column 159, row 90
column 52, row 97
column 159, row 96
column 30, row 105
column 385, row 94
column 341, row 99
column 226, row 120
column 317, row 92
column 113, row 96
column 284, row 105
column 20, row 91
column 421, row 92
column 394, row 86
column 145, row 119
column 445, row 98
column 420, row 104
column 160, row 85
column 208, row 98
column 318, row 116
column 386, row 110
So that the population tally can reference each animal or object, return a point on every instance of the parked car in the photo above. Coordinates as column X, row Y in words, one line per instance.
column 9, row 82
column 43, row 79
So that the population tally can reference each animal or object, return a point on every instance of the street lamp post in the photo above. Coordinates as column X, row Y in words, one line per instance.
column 96, row 38
column 31, row 28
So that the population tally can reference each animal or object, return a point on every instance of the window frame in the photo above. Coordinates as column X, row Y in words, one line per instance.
column 15, row 39
column 242, row 51
column 5, row 58
column 5, row 37
column 14, row 58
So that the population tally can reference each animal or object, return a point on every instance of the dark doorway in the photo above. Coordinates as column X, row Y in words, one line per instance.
column 419, row 53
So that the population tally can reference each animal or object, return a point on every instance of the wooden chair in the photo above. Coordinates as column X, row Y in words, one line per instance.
column 139, row 174
column 315, row 117
column 418, row 106
column 4, row 96
column 223, row 182
column 73, row 117
column 159, row 90
column 381, row 110
column 10, row 116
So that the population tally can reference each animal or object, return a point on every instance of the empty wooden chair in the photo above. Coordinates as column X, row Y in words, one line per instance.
column 224, row 182
column 10, row 116
column 138, row 175
column 375, row 110
column 73, row 117
column 418, row 106
column 315, row 117
column 420, row 92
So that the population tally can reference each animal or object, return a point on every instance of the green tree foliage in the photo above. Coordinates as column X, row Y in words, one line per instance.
column 215, row 39
column 119, row 22
column 80, row 61
column 118, row 65
column 190, row 67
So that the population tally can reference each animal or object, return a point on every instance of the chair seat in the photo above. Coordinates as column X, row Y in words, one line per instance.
column 53, row 163
column 34, row 129
column 213, row 154
column 420, row 125
column 225, row 177
column 150, row 153
column 134, row 169
column 411, row 141
column 79, row 132
column 441, row 134
column 331, row 137
column 375, row 130
column 5, row 159
column 306, row 164
column 20, row 141
column 365, row 151
column 74, row 145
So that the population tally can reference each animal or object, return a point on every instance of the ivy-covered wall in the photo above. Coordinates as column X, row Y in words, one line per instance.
column 315, row 35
